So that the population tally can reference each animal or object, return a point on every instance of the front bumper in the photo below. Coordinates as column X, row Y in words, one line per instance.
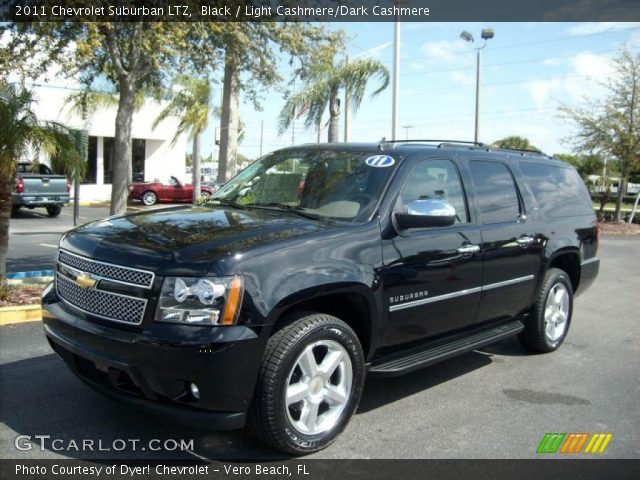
column 153, row 367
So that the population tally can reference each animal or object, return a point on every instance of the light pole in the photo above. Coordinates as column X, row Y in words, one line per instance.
column 486, row 34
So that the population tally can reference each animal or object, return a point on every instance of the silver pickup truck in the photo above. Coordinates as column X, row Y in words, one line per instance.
column 37, row 186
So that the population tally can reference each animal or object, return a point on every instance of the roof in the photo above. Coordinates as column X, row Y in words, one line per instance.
column 406, row 147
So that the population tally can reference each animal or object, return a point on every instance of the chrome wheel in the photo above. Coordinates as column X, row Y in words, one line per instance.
column 149, row 198
column 556, row 312
column 318, row 387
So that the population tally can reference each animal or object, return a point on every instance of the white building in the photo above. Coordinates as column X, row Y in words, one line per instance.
column 153, row 154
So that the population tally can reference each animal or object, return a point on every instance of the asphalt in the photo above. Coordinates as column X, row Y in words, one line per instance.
column 34, row 237
column 494, row 403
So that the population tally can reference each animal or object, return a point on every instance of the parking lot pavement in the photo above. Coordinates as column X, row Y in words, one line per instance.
column 34, row 237
column 494, row 403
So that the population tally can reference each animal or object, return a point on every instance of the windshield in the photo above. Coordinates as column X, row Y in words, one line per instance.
column 339, row 185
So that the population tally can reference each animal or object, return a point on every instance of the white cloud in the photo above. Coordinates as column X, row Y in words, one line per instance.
column 588, row 71
column 460, row 78
column 448, row 51
column 598, row 27
column 374, row 51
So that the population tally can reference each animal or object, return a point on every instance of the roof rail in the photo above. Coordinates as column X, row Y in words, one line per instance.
column 441, row 143
column 521, row 150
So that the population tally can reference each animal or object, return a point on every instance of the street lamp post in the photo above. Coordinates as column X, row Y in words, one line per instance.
column 406, row 131
column 486, row 34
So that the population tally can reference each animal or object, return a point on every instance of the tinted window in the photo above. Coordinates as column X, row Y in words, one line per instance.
column 34, row 168
column 437, row 179
column 559, row 191
column 495, row 191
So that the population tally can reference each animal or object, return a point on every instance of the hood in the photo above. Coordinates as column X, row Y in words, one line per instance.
column 183, row 240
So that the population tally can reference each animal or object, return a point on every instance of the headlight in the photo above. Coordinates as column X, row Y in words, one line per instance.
column 200, row 301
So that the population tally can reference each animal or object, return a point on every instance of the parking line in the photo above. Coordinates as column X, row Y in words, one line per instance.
column 48, row 245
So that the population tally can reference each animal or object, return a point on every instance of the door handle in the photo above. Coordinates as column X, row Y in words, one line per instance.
column 468, row 249
column 525, row 241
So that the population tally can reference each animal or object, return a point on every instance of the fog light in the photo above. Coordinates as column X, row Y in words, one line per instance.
column 195, row 391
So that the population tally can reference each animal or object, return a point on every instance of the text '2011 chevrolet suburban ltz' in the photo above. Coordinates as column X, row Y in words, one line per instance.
column 313, row 267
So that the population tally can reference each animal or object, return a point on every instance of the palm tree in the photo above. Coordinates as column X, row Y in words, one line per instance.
column 192, row 103
column 20, row 134
column 323, row 88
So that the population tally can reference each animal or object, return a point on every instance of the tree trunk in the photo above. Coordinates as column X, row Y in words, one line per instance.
column 229, row 122
column 622, row 189
column 196, row 167
column 334, row 119
column 121, row 169
column 5, row 214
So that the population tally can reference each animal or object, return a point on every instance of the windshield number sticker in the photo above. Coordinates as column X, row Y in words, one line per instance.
column 380, row 161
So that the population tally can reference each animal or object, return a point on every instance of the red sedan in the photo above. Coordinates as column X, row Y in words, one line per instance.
column 172, row 191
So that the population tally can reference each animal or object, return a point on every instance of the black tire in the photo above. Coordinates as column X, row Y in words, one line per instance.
column 53, row 210
column 270, row 418
column 535, row 335
column 15, row 209
column 149, row 198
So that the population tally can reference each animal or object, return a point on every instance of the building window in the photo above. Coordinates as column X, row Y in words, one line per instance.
column 92, row 160
column 138, row 147
column 108, row 150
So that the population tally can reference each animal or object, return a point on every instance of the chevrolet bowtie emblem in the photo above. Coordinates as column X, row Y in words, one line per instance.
column 86, row 281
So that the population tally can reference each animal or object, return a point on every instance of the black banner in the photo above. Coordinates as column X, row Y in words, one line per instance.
column 318, row 10
column 321, row 469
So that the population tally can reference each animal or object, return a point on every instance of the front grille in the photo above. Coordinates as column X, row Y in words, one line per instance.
column 110, row 306
column 126, row 275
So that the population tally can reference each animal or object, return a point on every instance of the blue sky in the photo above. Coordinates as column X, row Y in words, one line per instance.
column 528, row 70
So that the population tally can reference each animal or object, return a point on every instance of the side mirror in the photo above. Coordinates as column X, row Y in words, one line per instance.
column 427, row 213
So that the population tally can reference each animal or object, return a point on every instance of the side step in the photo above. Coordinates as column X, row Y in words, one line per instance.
column 399, row 363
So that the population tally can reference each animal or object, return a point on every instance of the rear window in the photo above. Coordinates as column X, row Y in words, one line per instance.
column 496, row 192
column 559, row 191
column 34, row 168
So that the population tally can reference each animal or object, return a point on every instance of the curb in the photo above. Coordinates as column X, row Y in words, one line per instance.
column 30, row 281
column 20, row 314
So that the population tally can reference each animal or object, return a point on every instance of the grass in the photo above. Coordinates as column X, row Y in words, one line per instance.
column 26, row 294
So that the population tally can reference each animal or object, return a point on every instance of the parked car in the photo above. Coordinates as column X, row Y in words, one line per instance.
column 37, row 186
column 173, row 191
column 316, row 266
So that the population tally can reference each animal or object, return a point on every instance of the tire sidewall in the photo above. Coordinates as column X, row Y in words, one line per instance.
column 294, row 438
column 555, row 278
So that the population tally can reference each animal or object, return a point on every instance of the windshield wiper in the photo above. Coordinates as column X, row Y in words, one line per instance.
column 281, row 206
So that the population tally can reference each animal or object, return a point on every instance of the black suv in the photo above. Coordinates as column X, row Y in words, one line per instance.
column 313, row 267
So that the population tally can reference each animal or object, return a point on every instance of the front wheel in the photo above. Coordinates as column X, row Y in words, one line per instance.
column 205, row 195
column 548, row 323
column 53, row 210
column 309, row 386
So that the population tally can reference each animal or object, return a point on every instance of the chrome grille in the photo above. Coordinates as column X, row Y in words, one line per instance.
column 110, row 306
column 117, row 273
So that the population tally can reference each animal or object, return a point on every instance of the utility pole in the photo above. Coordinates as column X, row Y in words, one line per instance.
column 406, row 131
column 347, row 102
column 261, row 135
column 396, row 78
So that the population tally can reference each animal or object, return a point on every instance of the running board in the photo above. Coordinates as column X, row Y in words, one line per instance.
column 400, row 363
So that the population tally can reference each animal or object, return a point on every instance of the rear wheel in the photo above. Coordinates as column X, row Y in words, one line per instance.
column 550, row 317
column 205, row 195
column 149, row 198
column 53, row 210
column 309, row 386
